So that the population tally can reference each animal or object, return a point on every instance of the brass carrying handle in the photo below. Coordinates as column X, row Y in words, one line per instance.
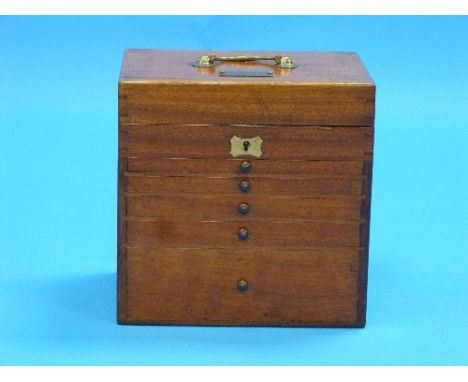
column 209, row 60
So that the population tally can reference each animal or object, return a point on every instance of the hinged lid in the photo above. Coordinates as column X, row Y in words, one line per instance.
column 163, row 86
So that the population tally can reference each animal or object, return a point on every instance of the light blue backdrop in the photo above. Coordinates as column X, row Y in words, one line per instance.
column 58, row 150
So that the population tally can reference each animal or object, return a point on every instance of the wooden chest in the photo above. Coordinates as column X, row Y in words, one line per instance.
column 244, row 188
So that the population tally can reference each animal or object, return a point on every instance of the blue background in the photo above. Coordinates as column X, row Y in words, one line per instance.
column 58, row 151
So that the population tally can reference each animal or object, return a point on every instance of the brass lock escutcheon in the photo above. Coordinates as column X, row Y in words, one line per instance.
column 246, row 146
column 208, row 61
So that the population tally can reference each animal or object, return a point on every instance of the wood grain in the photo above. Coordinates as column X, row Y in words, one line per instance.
column 193, row 286
column 143, row 182
column 185, row 233
column 288, row 142
column 253, row 104
column 367, row 167
column 121, row 239
column 174, row 66
column 206, row 206
column 218, row 167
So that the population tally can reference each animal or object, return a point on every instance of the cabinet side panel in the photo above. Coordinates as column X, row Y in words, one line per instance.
column 364, row 243
column 121, row 230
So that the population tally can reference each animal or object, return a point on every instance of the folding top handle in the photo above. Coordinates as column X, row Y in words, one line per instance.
column 209, row 60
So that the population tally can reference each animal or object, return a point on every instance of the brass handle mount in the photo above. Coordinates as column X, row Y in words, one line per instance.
column 209, row 60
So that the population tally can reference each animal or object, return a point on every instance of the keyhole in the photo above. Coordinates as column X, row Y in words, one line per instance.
column 246, row 145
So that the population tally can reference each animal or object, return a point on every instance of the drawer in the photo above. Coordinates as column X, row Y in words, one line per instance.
column 186, row 233
column 219, row 167
column 279, row 142
column 246, row 207
column 196, row 286
column 146, row 182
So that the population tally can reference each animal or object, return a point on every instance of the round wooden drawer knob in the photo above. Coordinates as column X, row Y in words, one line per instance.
column 244, row 186
column 243, row 234
column 242, row 285
column 243, row 208
column 245, row 166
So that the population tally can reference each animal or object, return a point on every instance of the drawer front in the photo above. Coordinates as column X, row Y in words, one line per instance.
column 214, row 286
column 278, row 142
column 144, row 182
column 219, row 167
column 246, row 207
column 187, row 234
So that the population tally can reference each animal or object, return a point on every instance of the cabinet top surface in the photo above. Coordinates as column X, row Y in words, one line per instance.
column 166, row 66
